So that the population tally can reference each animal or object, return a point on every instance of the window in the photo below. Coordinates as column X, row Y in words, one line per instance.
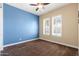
column 57, row 25
column 46, row 26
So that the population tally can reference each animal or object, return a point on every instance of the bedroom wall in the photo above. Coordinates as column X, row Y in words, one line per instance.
column 1, row 27
column 19, row 25
column 69, row 25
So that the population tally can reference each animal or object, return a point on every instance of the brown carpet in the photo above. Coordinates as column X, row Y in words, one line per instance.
column 39, row 48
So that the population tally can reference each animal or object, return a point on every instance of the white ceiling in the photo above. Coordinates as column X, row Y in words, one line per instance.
column 31, row 9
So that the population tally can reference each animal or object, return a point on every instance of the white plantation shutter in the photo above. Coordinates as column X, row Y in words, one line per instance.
column 57, row 25
column 46, row 26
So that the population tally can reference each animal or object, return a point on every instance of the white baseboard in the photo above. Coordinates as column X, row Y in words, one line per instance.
column 20, row 42
column 63, row 44
column 42, row 39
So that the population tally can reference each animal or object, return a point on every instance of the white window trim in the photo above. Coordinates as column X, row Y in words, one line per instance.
column 44, row 20
column 53, row 26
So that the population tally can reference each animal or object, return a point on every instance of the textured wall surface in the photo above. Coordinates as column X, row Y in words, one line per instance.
column 19, row 25
column 69, row 25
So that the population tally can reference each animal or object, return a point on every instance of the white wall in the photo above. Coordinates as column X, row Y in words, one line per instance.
column 1, row 28
column 69, row 25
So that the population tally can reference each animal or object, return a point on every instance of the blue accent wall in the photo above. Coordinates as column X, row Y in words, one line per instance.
column 19, row 25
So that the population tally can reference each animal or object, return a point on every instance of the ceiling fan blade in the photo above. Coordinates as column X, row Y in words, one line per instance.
column 46, row 3
column 33, row 4
column 0, row 6
column 37, row 9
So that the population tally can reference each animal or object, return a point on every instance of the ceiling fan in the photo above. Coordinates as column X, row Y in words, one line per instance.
column 0, row 6
column 39, row 5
